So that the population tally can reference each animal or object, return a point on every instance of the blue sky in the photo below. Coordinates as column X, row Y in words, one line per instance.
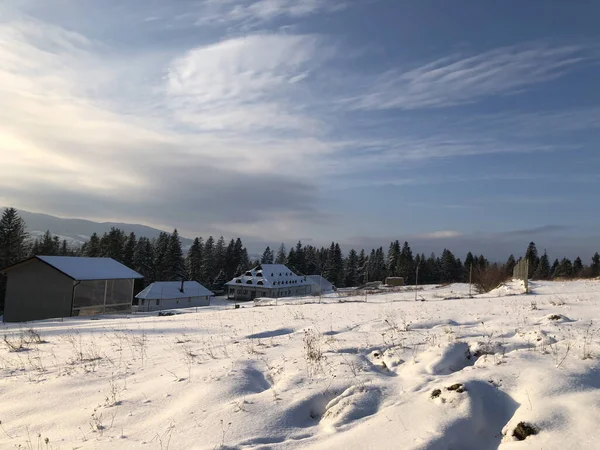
column 468, row 125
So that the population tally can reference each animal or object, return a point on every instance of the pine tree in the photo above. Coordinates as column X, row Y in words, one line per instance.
column 194, row 260
column 13, row 238
column 577, row 267
column 554, row 268
column 208, row 266
column 405, row 266
column 509, row 267
column 267, row 256
column 531, row 255
column 312, row 261
column 143, row 260
column 543, row 269
column 220, row 254
column 129, row 250
column 564, row 269
column 363, row 262
column 447, row 267
column 92, row 247
column 595, row 267
column 47, row 245
column 393, row 259
column 160, row 250
column 174, row 259
column 281, row 255
column 13, row 248
column 351, row 269
column 112, row 244
column 218, row 283
column 64, row 249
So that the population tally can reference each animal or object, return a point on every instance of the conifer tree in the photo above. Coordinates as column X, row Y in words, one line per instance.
column 174, row 259
column 143, row 260
column 281, row 255
column 194, row 260
column 129, row 249
column 577, row 267
column 351, row 269
column 92, row 247
column 543, row 269
column 208, row 266
column 13, row 248
column 509, row 267
column 406, row 264
column 595, row 267
column 267, row 256
column 531, row 255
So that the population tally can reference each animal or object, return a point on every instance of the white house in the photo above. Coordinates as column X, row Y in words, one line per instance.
column 173, row 294
column 320, row 285
column 268, row 280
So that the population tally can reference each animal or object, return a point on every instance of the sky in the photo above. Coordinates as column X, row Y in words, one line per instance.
column 468, row 125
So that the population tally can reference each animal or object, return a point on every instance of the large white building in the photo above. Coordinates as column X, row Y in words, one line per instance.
column 173, row 294
column 268, row 280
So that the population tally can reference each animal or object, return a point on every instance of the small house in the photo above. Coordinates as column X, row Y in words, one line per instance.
column 173, row 294
column 45, row 287
column 268, row 280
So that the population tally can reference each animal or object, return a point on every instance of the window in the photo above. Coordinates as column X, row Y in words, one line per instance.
column 238, row 281
column 157, row 302
column 271, row 274
column 249, row 282
column 280, row 274
column 143, row 302
column 260, row 282
column 259, row 274
column 248, row 274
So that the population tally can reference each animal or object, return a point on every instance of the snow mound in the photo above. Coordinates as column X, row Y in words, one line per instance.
column 448, row 359
column 356, row 402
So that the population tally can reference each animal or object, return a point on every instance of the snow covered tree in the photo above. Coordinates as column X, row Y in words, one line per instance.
column 160, row 250
column 564, row 269
column 112, row 244
column 218, row 283
column 405, row 267
column 208, row 261
column 393, row 258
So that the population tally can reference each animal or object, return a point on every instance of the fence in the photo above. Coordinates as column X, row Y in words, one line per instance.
column 521, row 272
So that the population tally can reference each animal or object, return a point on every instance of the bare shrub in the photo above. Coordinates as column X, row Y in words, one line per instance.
column 313, row 353
column 489, row 278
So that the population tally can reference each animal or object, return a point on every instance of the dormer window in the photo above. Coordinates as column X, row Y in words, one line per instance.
column 259, row 274
column 260, row 282
column 249, row 282
column 248, row 274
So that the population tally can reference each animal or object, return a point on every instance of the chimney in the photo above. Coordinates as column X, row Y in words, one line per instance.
column 181, row 288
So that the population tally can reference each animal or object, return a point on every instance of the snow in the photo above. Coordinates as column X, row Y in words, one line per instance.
column 447, row 372
column 171, row 289
column 83, row 268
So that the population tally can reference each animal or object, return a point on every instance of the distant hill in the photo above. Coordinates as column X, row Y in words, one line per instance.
column 78, row 231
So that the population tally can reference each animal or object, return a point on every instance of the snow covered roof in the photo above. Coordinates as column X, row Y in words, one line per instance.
column 171, row 289
column 318, row 280
column 270, row 276
column 83, row 269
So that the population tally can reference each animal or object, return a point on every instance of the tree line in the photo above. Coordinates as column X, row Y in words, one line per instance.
column 213, row 262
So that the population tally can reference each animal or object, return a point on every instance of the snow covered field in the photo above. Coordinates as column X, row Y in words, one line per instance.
column 449, row 372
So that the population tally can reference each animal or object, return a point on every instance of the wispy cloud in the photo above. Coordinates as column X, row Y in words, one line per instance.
column 245, row 83
column 458, row 80
column 254, row 12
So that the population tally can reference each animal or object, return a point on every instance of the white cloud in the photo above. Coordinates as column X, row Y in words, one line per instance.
column 455, row 80
column 447, row 234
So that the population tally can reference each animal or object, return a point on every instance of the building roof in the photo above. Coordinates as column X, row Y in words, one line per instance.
column 171, row 289
column 271, row 276
column 318, row 280
column 86, row 269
